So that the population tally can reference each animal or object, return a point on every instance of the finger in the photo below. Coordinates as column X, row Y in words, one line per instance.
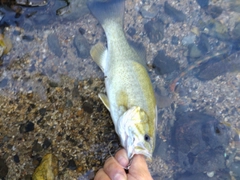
column 101, row 175
column 114, row 170
column 121, row 157
column 139, row 169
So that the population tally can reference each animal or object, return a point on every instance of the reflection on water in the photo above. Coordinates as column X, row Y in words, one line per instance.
column 49, row 87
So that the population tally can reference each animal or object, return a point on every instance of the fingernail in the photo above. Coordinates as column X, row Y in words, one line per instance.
column 119, row 176
column 123, row 160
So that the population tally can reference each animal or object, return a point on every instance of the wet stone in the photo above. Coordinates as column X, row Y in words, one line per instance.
column 131, row 31
column 26, row 127
column 3, row 83
column 36, row 147
column 16, row 158
column 154, row 30
column 176, row 15
column 46, row 143
column 194, row 51
column 235, row 6
column 214, row 11
column 203, row 3
column 72, row 165
column 54, row 44
column 236, row 31
column 164, row 64
column 87, row 107
column 148, row 11
column 82, row 46
column 28, row 38
column 174, row 40
column 200, row 142
column 42, row 111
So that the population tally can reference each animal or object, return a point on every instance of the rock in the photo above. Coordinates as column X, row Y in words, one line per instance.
column 82, row 46
column 131, row 31
column 200, row 142
column 28, row 38
column 72, row 165
column 36, row 147
column 203, row 3
column 236, row 31
column 54, row 45
column 187, row 40
column 194, row 51
column 148, row 11
column 16, row 158
column 154, row 30
column 3, row 82
column 87, row 107
column 234, row 6
column 174, row 40
column 3, row 169
column 26, row 127
column 73, row 10
column 214, row 11
column 48, row 169
column 46, row 143
column 217, row 30
column 164, row 64
column 176, row 15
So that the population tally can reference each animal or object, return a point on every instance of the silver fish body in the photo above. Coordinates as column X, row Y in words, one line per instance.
column 130, row 96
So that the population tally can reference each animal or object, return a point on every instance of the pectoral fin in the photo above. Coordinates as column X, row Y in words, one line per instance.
column 104, row 99
column 98, row 53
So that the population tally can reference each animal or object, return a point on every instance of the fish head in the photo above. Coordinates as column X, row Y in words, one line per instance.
column 136, row 134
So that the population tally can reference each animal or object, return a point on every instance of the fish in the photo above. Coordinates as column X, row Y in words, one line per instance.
column 129, row 94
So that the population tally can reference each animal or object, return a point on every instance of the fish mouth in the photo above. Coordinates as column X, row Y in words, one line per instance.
column 139, row 150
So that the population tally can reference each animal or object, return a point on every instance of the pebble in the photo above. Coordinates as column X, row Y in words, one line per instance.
column 149, row 11
column 72, row 165
column 3, row 82
column 36, row 147
column 154, row 30
column 174, row 40
column 203, row 3
column 87, row 107
column 46, row 143
column 54, row 44
column 164, row 64
column 176, row 15
column 28, row 38
column 48, row 169
column 190, row 39
column 82, row 46
column 16, row 158
column 3, row 169
column 214, row 11
column 26, row 127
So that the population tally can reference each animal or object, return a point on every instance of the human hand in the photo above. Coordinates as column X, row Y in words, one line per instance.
column 113, row 168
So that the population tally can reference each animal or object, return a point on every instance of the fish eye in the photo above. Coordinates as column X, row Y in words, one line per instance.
column 147, row 137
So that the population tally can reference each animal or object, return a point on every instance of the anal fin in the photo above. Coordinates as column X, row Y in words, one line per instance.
column 105, row 100
column 98, row 53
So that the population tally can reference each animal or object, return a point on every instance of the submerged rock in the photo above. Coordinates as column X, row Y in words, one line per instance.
column 54, row 44
column 236, row 31
column 82, row 46
column 203, row 3
column 175, row 14
column 148, row 11
column 200, row 141
column 214, row 11
column 154, row 30
column 164, row 64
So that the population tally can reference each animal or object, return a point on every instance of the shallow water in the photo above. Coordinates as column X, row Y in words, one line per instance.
column 49, row 88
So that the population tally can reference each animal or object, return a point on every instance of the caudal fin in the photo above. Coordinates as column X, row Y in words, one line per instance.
column 107, row 10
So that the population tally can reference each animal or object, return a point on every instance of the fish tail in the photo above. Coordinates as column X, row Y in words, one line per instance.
column 107, row 11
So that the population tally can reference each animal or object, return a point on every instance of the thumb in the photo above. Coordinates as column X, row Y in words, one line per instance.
column 139, row 169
